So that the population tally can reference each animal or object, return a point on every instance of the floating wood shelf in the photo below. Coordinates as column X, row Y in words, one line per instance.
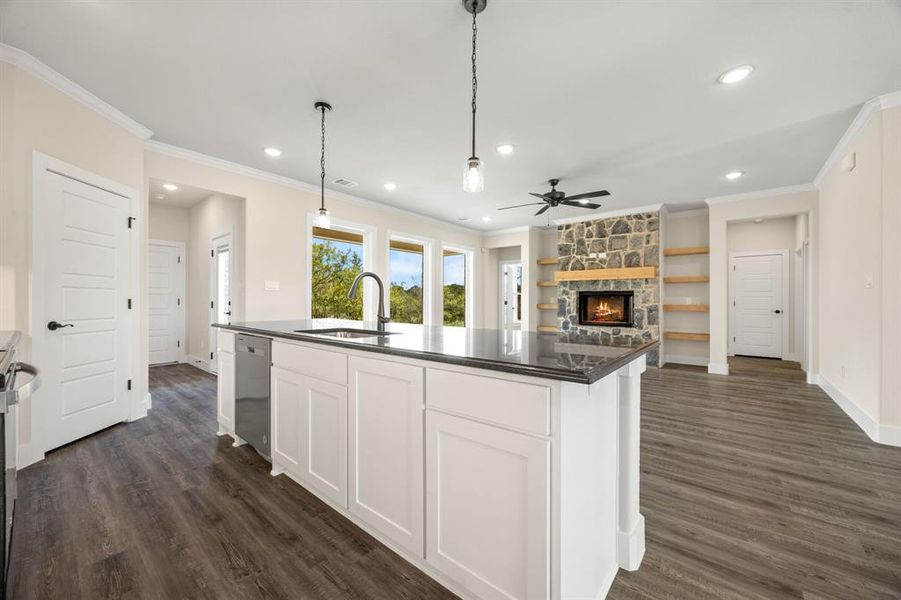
column 546, row 283
column 686, row 307
column 686, row 251
column 547, row 329
column 548, row 261
column 602, row 274
column 686, row 279
column 684, row 335
column 547, row 306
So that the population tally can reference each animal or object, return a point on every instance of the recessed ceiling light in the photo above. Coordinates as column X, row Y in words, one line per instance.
column 390, row 186
column 733, row 175
column 505, row 149
column 272, row 152
column 170, row 186
column 486, row 218
column 159, row 197
column 758, row 220
column 737, row 74
column 464, row 218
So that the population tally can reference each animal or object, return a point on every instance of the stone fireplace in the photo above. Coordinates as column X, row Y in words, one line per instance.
column 611, row 244
column 605, row 308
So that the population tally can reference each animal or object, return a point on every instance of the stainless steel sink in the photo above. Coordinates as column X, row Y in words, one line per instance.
column 347, row 332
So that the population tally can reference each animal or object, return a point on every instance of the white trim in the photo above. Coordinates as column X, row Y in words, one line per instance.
column 200, row 363
column 148, row 401
column 684, row 359
column 217, row 240
column 239, row 169
column 41, row 164
column 718, row 368
column 183, row 283
column 869, row 108
column 687, row 214
column 881, row 434
column 427, row 286
column 786, row 310
column 609, row 214
column 26, row 62
column 520, row 229
column 813, row 379
column 779, row 191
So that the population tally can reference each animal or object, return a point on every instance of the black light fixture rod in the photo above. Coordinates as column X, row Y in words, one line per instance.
column 322, row 106
column 475, row 81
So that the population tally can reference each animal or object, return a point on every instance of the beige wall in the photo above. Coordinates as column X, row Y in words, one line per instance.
column 860, row 254
column 38, row 117
column 768, row 204
column 169, row 223
column 275, row 217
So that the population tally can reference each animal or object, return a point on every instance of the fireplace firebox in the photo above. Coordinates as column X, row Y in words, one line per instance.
column 610, row 309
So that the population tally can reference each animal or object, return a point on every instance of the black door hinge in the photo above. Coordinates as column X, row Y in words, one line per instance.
column 178, row 344
column 129, row 385
column 211, row 304
column 211, row 356
column 179, row 260
column 212, row 253
column 131, row 220
column 178, row 302
column 129, row 304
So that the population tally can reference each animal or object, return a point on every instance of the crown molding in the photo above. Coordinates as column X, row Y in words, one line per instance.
column 866, row 112
column 687, row 214
column 508, row 230
column 289, row 182
column 26, row 62
column 780, row 191
column 610, row 213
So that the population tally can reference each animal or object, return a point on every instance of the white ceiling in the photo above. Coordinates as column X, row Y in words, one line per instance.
column 605, row 95
column 185, row 196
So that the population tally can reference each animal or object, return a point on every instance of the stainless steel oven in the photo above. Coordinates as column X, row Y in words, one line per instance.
column 17, row 381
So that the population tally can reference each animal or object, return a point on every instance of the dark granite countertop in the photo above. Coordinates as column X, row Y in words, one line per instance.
column 562, row 356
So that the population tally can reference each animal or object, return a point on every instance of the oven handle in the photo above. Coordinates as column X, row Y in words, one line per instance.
column 15, row 393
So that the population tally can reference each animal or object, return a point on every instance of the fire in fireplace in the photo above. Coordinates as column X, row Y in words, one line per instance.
column 612, row 309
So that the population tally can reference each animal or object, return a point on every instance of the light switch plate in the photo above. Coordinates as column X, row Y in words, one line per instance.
column 272, row 285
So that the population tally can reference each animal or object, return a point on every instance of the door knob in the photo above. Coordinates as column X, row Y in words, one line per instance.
column 777, row 311
column 54, row 325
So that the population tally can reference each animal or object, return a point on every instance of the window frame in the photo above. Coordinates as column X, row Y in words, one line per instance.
column 370, row 292
column 468, row 279
column 427, row 300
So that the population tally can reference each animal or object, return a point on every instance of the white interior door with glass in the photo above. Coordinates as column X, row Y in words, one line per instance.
column 758, row 290
column 83, row 309
column 165, row 302
column 511, row 295
column 221, row 268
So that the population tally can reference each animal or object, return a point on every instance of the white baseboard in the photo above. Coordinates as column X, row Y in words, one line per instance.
column 718, row 368
column 684, row 359
column 148, row 401
column 792, row 356
column 200, row 363
column 630, row 546
column 813, row 379
column 881, row 434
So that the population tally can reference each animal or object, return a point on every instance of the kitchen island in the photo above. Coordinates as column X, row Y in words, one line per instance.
column 504, row 464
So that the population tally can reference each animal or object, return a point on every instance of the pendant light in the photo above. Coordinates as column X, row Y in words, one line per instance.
column 322, row 217
column 473, row 173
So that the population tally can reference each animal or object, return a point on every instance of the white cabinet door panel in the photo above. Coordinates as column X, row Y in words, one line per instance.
column 225, row 396
column 488, row 515
column 386, row 452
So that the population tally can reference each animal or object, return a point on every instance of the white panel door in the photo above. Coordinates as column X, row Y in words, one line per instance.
column 488, row 498
column 757, row 305
column 165, row 307
column 82, row 254
column 386, row 457
column 309, row 424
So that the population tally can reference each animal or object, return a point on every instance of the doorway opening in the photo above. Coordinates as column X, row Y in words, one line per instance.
column 511, row 294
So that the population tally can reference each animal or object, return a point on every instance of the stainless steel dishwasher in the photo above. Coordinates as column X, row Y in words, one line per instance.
column 252, row 362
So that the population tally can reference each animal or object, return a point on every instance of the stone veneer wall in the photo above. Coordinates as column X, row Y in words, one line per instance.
column 628, row 241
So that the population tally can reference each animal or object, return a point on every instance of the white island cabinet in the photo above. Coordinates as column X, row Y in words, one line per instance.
column 499, row 485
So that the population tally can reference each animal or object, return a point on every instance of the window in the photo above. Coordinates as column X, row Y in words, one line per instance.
column 454, row 284
column 337, row 258
column 406, row 272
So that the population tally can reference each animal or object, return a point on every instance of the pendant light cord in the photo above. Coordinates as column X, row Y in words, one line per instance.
column 322, row 161
column 475, row 81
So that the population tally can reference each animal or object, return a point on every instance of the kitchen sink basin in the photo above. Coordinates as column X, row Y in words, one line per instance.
column 347, row 332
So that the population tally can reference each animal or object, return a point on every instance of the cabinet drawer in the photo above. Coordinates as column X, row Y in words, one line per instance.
column 512, row 404
column 321, row 364
column 225, row 341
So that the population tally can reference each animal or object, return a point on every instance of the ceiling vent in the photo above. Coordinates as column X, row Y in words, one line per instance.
column 345, row 183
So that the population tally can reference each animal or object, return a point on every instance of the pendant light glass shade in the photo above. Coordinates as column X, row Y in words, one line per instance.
column 474, row 175
column 322, row 219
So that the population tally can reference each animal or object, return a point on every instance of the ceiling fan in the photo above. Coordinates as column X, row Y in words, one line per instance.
column 555, row 198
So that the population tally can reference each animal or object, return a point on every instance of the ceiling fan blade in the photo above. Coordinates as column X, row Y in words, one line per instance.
column 589, row 195
column 542, row 196
column 580, row 205
column 543, row 209
column 521, row 205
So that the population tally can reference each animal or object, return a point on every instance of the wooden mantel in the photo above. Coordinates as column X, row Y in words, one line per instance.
column 602, row 274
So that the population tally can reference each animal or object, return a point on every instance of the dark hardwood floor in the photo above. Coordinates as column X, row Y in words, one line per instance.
column 754, row 486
